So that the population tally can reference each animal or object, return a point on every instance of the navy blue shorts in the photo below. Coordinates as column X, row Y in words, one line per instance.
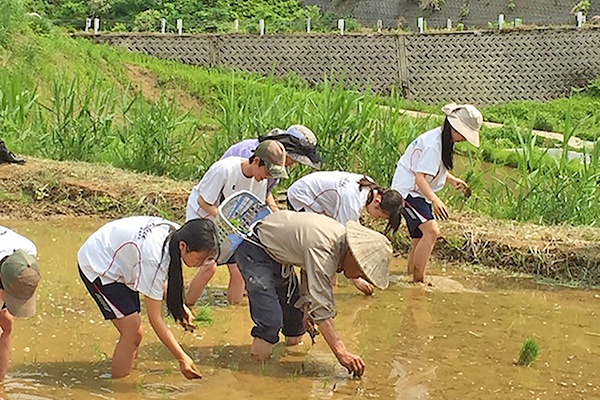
column 115, row 300
column 416, row 211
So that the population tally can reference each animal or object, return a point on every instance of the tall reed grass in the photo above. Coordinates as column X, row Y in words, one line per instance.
column 89, row 112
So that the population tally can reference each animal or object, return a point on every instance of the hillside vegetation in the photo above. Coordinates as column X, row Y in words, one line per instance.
column 68, row 99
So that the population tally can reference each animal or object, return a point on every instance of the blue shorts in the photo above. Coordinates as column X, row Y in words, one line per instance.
column 115, row 300
column 416, row 211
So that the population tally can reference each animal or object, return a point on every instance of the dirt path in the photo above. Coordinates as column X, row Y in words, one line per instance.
column 42, row 189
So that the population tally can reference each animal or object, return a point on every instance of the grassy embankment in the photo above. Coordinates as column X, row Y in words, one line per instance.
column 68, row 99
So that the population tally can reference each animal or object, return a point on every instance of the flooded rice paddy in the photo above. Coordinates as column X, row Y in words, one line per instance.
column 455, row 340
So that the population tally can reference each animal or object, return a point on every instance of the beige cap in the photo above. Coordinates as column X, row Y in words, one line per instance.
column 20, row 277
column 466, row 119
column 372, row 252
column 272, row 153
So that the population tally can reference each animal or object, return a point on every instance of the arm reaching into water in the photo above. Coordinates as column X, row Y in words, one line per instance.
column 352, row 362
column 154, row 310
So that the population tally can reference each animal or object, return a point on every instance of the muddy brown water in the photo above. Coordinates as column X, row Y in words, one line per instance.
column 455, row 340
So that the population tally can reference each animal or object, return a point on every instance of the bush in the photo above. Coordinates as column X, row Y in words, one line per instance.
column 12, row 20
column 147, row 21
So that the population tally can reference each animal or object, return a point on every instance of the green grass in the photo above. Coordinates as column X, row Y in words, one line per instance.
column 530, row 351
column 204, row 316
column 87, row 110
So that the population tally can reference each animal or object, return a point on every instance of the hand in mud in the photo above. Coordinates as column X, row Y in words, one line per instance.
column 188, row 323
column 353, row 363
column 462, row 187
column 188, row 369
column 363, row 286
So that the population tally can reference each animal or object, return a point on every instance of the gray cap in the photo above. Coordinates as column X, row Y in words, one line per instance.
column 272, row 153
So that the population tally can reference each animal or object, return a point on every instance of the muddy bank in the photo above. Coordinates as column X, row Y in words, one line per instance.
column 42, row 188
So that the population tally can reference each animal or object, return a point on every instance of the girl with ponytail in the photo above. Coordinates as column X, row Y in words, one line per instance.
column 137, row 255
column 423, row 170
column 343, row 196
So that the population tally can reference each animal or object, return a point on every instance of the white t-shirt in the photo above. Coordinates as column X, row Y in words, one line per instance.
column 129, row 251
column 423, row 155
column 335, row 194
column 11, row 241
column 223, row 179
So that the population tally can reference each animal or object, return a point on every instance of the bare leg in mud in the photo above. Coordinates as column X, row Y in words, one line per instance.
column 293, row 340
column 260, row 350
column 410, row 263
column 422, row 251
column 126, row 350
column 6, row 321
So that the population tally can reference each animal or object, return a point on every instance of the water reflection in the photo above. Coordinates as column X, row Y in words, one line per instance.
column 455, row 340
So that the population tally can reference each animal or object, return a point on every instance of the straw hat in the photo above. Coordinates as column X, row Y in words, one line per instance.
column 372, row 252
column 466, row 119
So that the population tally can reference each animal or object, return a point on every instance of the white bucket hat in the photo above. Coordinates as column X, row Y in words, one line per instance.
column 372, row 252
column 466, row 119
column 307, row 152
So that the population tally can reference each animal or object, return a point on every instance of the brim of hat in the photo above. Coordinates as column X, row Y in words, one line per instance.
column 18, row 307
column 372, row 252
column 470, row 134
column 277, row 171
column 302, row 159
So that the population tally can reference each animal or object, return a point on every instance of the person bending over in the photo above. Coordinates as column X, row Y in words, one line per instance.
column 143, row 254
column 19, row 278
column 224, row 178
column 321, row 247
column 343, row 196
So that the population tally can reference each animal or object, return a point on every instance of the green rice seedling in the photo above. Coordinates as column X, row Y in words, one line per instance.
column 233, row 365
column 264, row 368
column 293, row 376
column 139, row 384
column 164, row 391
column 530, row 351
column 204, row 316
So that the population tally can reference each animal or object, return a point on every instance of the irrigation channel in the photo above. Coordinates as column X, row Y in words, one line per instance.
column 455, row 340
